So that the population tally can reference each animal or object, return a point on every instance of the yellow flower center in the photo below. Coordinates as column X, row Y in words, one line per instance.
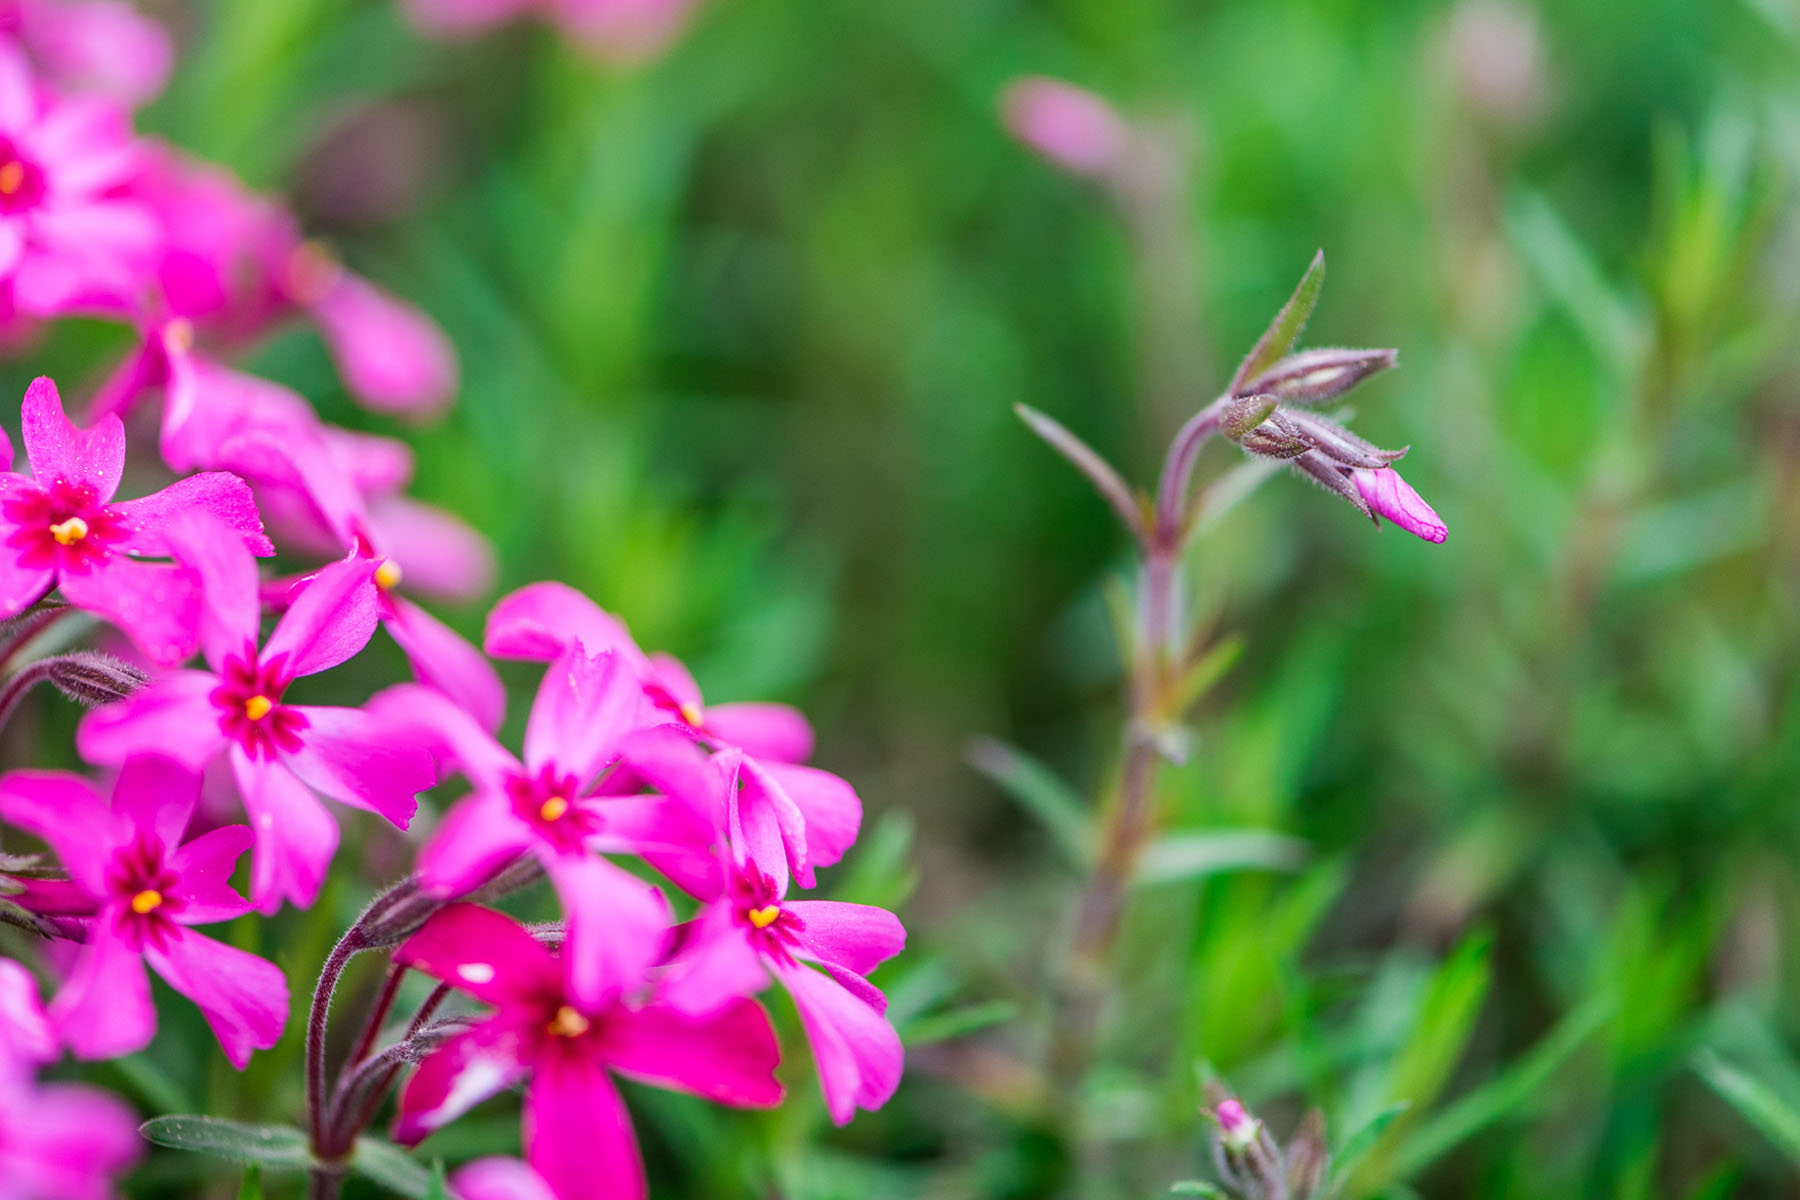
column 765, row 916
column 387, row 575
column 178, row 334
column 12, row 177
column 74, row 529
column 567, row 1023
column 146, row 902
column 258, row 707
column 553, row 808
column 692, row 715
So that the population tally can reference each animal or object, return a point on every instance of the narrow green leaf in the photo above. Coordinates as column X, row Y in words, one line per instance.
column 389, row 1166
column 1286, row 326
column 1180, row 857
column 1207, row 671
column 1758, row 1103
column 234, row 1141
column 1358, row 1144
column 1197, row 1187
column 960, row 1022
column 1038, row 789
column 251, row 1188
column 439, row 1190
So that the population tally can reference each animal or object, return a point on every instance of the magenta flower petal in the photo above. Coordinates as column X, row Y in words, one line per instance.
column 203, row 870
column 858, row 937
column 65, row 1142
column 485, row 953
column 230, row 610
column 437, row 553
column 25, row 1031
column 67, row 812
column 717, row 964
column 295, row 836
column 157, row 604
column 58, row 449
column 218, row 494
column 477, row 837
column 391, row 355
column 586, row 705
column 767, row 827
column 498, row 1178
column 103, row 1010
column 1070, row 126
column 434, row 721
column 774, row 733
column 18, row 89
column 1392, row 497
column 442, row 660
column 100, row 47
column 244, row 998
column 156, row 795
column 618, row 925
column 578, row 1135
column 330, row 619
column 21, row 586
column 174, row 716
column 454, row 1078
column 360, row 759
column 827, row 803
column 729, row 1058
column 540, row 620
column 857, row 1052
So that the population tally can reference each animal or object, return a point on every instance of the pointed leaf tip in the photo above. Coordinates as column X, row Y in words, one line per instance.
column 1285, row 329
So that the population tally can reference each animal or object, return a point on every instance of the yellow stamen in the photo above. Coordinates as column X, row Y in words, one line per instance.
column 12, row 177
column 692, row 715
column 567, row 1023
column 764, row 917
column 387, row 575
column 258, row 707
column 72, row 530
column 553, row 808
column 178, row 335
column 146, row 902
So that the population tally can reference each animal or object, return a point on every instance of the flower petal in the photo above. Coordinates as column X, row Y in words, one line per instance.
column 104, row 1009
column 497, row 1178
column 173, row 716
column 58, row 449
column 25, row 1032
column 540, row 620
column 442, row 660
column 456, row 1077
column 244, row 998
column 157, row 604
column 729, row 1058
column 392, row 356
column 295, row 836
column 358, row 758
column 716, row 964
column 828, row 804
column 157, row 795
column 67, row 812
column 330, row 619
column 859, row 937
column 585, row 707
column 485, row 953
column 230, row 607
column 203, row 870
column 858, row 1054
column 772, row 732
column 438, row 554
column 219, row 494
column 578, row 1135
column 477, row 837
column 618, row 925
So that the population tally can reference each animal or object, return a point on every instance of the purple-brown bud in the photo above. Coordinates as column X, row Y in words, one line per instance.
column 1315, row 376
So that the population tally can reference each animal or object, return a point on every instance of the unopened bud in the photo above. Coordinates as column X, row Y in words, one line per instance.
column 1237, row 1128
column 90, row 677
column 1315, row 376
column 1275, row 438
column 1390, row 496
column 1245, row 413
column 1336, row 442
column 1308, row 1159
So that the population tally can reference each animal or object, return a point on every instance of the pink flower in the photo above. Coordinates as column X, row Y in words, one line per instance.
column 578, row 1135
column 279, row 753
column 63, row 1141
column 500, row 1179
column 539, row 620
column 59, row 527
column 144, row 889
column 750, row 930
column 392, row 356
column 1070, row 126
column 65, row 239
column 26, row 1035
column 1392, row 497
column 99, row 47
column 548, row 804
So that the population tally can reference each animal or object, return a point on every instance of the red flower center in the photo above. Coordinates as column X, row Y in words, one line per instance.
column 140, row 883
column 21, row 180
column 772, row 927
column 550, row 802
column 60, row 525
column 248, row 700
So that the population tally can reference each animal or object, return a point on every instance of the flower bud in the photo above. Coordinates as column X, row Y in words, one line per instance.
column 1245, row 413
column 1070, row 126
column 1390, row 496
column 1336, row 442
column 90, row 677
column 1237, row 1128
column 1315, row 376
column 1308, row 1158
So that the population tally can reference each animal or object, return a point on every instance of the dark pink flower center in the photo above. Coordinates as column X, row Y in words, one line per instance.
column 60, row 526
column 550, row 802
column 772, row 927
column 140, row 885
column 251, row 713
column 21, row 180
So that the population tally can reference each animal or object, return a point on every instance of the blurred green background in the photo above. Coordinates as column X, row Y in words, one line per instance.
column 741, row 332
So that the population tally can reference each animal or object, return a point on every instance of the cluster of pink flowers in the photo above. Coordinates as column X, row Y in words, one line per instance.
column 625, row 777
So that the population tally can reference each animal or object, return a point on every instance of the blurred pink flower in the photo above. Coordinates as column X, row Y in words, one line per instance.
column 392, row 356
column 99, row 47
column 499, row 1178
column 67, row 240
column 280, row 753
column 26, row 1035
column 144, row 888
column 63, row 1141
column 1392, row 497
column 543, row 1031
column 617, row 30
column 59, row 527
column 1070, row 126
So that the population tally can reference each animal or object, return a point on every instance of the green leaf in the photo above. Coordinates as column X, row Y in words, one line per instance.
column 251, row 1188
column 439, row 1190
column 1758, row 1103
column 1180, row 857
column 1286, row 326
column 1358, row 1144
column 1196, row 1187
column 1207, row 670
column 274, row 1146
column 960, row 1022
column 389, row 1166
column 1041, row 792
